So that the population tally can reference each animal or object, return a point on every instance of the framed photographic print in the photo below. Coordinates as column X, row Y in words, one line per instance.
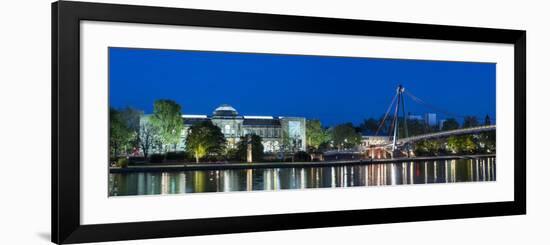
column 176, row 122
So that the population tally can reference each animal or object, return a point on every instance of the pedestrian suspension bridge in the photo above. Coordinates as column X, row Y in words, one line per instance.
column 400, row 143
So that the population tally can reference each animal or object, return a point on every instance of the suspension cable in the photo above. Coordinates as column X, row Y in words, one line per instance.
column 421, row 102
column 385, row 115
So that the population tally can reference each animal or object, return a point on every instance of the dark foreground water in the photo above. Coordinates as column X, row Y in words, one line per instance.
column 403, row 173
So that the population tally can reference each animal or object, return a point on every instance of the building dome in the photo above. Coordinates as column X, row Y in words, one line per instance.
column 225, row 111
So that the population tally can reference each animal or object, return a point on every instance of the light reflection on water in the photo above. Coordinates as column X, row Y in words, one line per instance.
column 447, row 171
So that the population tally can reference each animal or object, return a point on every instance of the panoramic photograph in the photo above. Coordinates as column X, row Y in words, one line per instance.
column 186, row 121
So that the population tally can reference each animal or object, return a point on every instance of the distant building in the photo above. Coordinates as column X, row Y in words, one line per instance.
column 273, row 130
column 430, row 119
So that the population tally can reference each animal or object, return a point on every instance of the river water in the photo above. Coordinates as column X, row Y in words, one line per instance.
column 400, row 173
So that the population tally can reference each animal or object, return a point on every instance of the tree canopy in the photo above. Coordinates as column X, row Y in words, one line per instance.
column 414, row 127
column 205, row 138
column 450, row 124
column 120, row 135
column 147, row 137
column 130, row 117
column 462, row 144
column 167, row 119
column 427, row 147
column 487, row 141
column 470, row 121
column 257, row 147
column 370, row 125
column 345, row 136
column 315, row 134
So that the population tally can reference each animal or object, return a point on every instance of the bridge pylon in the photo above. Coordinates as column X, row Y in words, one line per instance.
column 399, row 107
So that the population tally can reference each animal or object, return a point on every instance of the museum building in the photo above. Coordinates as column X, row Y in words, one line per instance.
column 275, row 131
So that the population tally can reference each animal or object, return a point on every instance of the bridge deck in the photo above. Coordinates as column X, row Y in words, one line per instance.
column 448, row 133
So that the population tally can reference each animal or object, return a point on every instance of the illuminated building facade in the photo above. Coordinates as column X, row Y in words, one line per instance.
column 277, row 133
column 373, row 146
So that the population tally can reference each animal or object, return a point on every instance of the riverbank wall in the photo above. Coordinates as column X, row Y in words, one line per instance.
column 263, row 165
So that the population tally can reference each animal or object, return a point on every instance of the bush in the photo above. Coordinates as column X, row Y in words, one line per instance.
column 302, row 156
column 271, row 157
column 179, row 155
column 257, row 148
column 232, row 155
column 136, row 159
column 156, row 158
column 214, row 158
column 122, row 163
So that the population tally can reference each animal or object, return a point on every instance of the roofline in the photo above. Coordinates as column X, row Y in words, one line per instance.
column 258, row 117
column 194, row 116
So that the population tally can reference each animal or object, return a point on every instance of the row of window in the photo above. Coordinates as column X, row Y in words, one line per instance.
column 230, row 130
column 264, row 132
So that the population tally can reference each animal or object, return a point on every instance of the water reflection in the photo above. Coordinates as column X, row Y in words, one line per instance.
column 403, row 173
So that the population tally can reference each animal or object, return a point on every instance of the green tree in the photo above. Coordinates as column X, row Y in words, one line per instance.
column 131, row 118
column 205, row 138
column 167, row 119
column 454, row 144
column 315, row 134
column 147, row 137
column 487, row 142
column 468, row 145
column 427, row 148
column 450, row 124
column 345, row 136
column 420, row 148
column 470, row 121
column 257, row 147
column 433, row 147
column 414, row 127
column 461, row 144
column 370, row 125
column 120, row 136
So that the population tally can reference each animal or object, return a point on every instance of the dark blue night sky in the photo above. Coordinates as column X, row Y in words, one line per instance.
column 332, row 89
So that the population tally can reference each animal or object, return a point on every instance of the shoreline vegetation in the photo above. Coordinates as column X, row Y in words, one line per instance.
column 135, row 143
column 177, row 167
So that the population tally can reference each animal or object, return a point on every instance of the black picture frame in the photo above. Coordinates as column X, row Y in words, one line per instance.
column 66, row 17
